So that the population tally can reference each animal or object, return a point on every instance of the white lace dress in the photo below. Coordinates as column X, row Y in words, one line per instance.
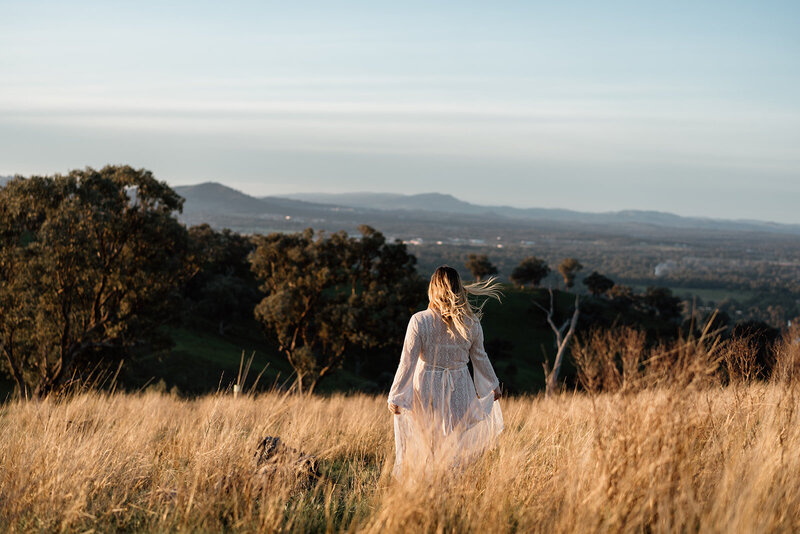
column 446, row 417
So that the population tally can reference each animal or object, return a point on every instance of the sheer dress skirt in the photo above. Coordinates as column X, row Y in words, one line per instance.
column 446, row 417
column 448, row 424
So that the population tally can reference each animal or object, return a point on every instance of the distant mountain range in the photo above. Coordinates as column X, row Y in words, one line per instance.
column 212, row 199
column 438, row 202
column 390, row 201
column 217, row 198
column 221, row 205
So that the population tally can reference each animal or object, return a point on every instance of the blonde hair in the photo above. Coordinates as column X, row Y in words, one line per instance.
column 449, row 296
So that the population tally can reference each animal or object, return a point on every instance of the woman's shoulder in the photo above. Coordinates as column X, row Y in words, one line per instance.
column 475, row 325
column 424, row 317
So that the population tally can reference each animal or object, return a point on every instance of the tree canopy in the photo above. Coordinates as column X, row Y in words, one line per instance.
column 597, row 283
column 480, row 266
column 531, row 270
column 90, row 266
column 568, row 268
column 325, row 295
column 661, row 303
column 224, row 290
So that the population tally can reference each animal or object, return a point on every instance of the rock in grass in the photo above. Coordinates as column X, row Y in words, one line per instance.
column 276, row 460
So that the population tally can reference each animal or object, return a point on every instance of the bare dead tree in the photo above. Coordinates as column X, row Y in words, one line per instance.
column 561, row 341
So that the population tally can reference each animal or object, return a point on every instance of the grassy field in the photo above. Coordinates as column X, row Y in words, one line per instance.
column 669, row 459
column 673, row 438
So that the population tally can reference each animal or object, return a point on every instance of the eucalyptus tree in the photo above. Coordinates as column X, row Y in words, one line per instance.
column 531, row 270
column 224, row 291
column 568, row 268
column 480, row 266
column 327, row 294
column 90, row 267
column 597, row 283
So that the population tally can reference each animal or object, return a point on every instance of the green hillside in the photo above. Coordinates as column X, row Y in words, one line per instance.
column 201, row 360
column 516, row 334
column 528, row 338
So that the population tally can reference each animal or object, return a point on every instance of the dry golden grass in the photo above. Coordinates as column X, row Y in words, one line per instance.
column 660, row 459
column 703, row 460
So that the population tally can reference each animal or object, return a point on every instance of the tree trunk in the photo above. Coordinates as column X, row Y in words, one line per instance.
column 551, row 385
column 42, row 390
column 16, row 375
column 311, row 387
column 561, row 341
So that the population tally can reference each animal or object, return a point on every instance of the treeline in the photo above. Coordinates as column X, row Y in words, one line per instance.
column 94, row 265
column 91, row 265
column 655, row 301
column 95, row 268
column 763, row 283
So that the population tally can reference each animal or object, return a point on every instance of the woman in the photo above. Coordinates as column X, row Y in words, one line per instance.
column 442, row 417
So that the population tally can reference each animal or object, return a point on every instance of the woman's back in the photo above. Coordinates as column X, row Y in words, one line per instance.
column 440, row 345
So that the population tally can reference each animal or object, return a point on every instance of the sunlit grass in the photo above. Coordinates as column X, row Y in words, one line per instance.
column 661, row 460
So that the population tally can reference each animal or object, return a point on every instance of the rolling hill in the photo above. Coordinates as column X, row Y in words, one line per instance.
column 449, row 204
column 213, row 199
column 220, row 205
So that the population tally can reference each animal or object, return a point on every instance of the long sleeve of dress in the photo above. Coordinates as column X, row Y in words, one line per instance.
column 485, row 378
column 402, row 392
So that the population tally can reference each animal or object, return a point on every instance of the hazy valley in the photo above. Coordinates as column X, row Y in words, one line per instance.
column 746, row 266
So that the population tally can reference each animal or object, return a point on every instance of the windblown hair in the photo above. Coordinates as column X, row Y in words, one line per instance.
column 449, row 296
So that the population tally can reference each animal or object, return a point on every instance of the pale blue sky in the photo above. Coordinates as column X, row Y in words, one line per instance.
column 687, row 107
